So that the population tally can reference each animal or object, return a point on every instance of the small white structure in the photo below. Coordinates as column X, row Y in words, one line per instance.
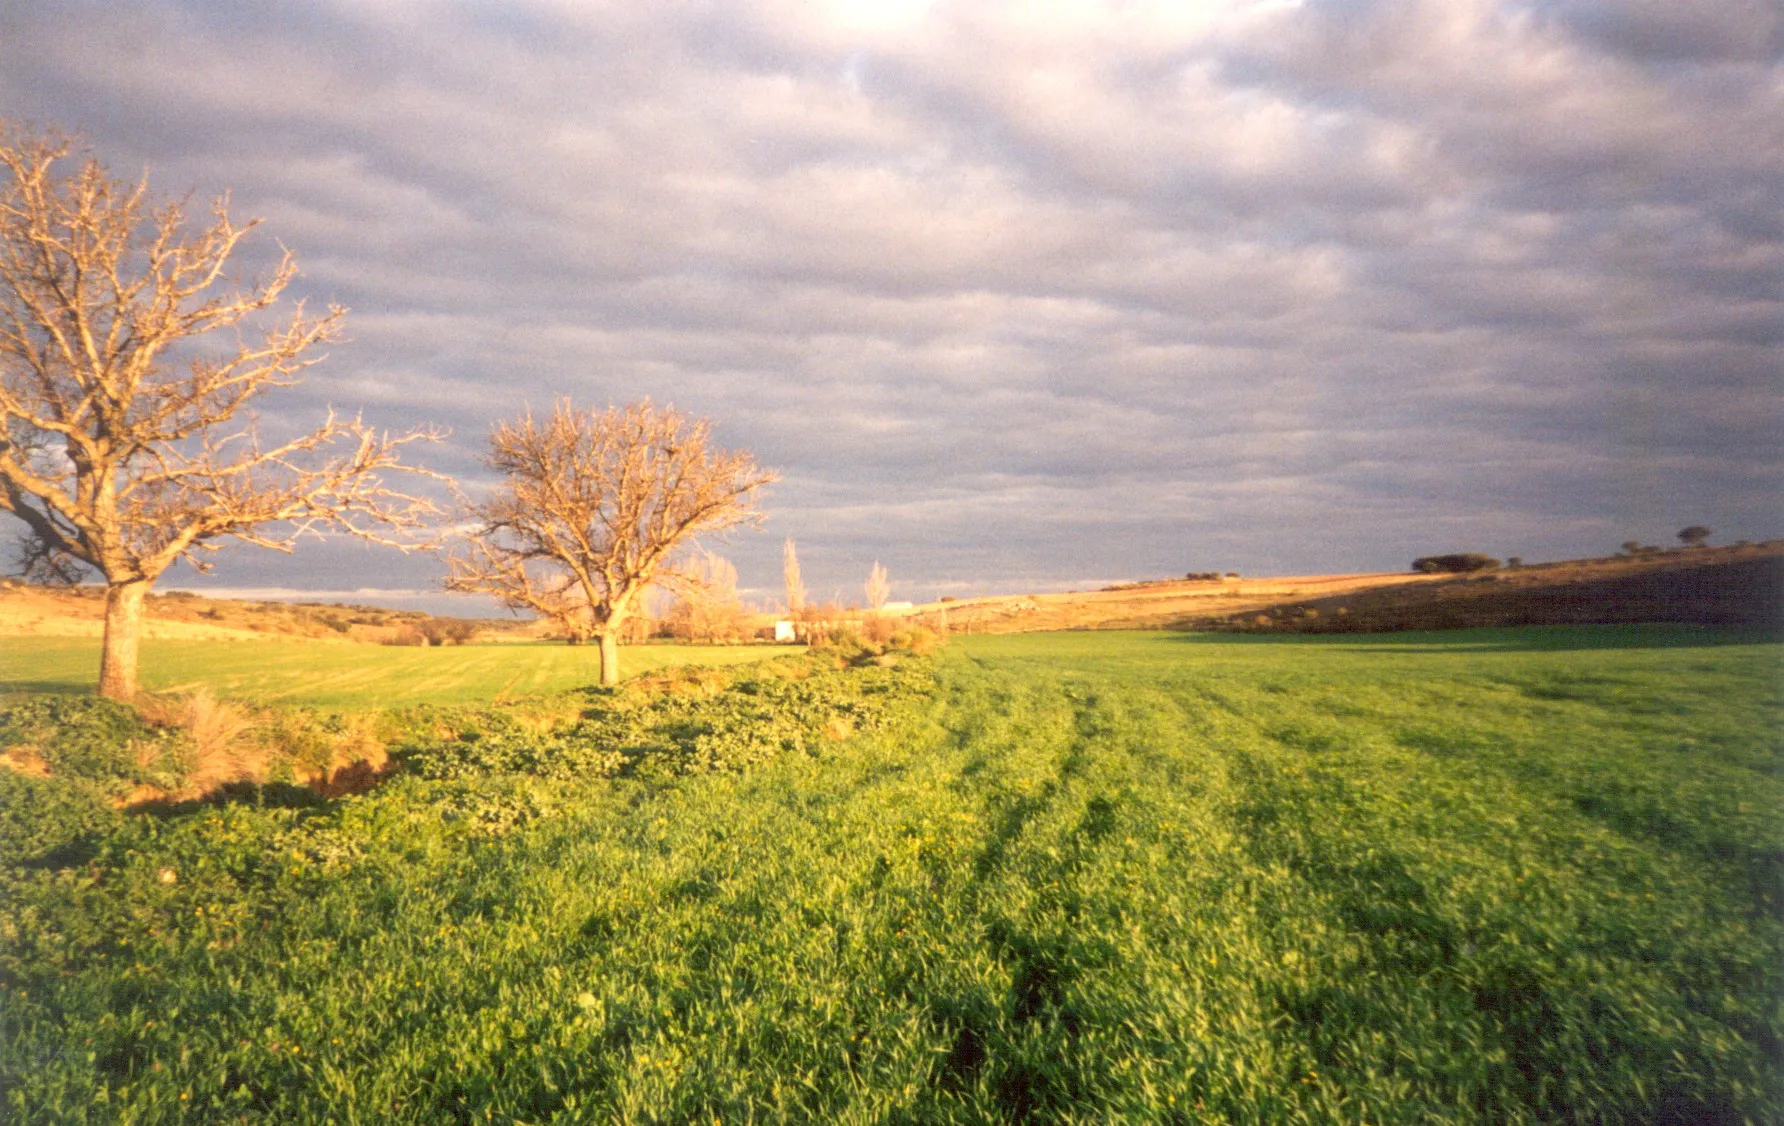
column 898, row 607
column 783, row 631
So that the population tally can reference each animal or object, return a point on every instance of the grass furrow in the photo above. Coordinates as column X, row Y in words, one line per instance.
column 1090, row 879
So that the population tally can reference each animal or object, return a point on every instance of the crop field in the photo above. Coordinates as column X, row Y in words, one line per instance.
column 346, row 676
column 1486, row 876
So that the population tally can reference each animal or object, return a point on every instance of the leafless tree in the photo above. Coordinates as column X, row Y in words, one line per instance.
column 877, row 588
column 592, row 510
column 795, row 584
column 118, row 453
column 708, row 608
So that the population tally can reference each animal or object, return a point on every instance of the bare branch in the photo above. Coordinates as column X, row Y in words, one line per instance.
column 118, row 457
column 593, row 507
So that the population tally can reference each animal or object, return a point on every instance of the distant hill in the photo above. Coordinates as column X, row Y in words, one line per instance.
column 1704, row 586
column 27, row 610
column 1711, row 585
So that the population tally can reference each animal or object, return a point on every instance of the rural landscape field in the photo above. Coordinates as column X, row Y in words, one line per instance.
column 892, row 561
column 1521, row 875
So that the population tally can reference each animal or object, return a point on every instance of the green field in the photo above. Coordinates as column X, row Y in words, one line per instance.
column 348, row 676
column 1489, row 876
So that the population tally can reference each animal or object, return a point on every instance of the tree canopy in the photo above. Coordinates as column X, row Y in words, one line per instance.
column 120, row 451
column 594, row 507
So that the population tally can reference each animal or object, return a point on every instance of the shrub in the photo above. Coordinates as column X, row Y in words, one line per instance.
column 96, row 740
column 846, row 646
column 920, row 640
column 1460, row 563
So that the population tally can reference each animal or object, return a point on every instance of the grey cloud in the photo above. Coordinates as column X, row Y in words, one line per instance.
column 1303, row 287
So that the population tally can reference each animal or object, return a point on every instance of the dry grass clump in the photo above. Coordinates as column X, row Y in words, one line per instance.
column 229, row 743
column 25, row 760
column 221, row 748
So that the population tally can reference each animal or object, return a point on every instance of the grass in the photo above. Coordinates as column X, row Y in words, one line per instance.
column 1497, row 876
column 346, row 676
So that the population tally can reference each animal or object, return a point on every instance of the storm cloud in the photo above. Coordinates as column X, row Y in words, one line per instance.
column 1018, row 296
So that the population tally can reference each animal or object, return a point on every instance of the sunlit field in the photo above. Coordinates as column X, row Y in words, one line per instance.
column 348, row 676
column 1488, row 876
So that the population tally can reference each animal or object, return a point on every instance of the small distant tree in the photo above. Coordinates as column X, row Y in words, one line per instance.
column 1694, row 536
column 594, row 507
column 117, row 451
column 790, row 573
column 1460, row 563
column 877, row 588
column 447, row 631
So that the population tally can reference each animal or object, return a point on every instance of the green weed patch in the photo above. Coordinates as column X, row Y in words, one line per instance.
column 1512, row 876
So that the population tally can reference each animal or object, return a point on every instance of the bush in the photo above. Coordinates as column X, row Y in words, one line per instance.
column 1461, row 563
column 846, row 646
column 96, row 740
column 920, row 640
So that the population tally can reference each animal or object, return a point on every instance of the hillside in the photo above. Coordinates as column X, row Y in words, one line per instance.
column 1729, row 586
column 1148, row 605
column 1718, row 585
column 37, row 611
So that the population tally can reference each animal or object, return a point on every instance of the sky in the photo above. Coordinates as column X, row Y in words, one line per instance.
column 1015, row 297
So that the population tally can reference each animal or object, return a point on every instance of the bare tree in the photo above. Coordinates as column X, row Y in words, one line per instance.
column 592, row 509
column 795, row 584
column 877, row 588
column 115, row 452
column 708, row 608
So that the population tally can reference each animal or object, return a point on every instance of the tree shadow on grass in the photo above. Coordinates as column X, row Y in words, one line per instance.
column 46, row 687
column 262, row 795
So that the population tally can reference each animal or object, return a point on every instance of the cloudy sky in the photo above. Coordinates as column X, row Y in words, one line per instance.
column 1025, row 296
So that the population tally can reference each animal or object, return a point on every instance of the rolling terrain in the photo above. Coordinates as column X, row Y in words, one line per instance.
column 1727, row 586
column 40, row 611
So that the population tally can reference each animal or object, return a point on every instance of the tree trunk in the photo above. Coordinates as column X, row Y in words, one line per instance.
column 610, row 656
column 123, row 629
